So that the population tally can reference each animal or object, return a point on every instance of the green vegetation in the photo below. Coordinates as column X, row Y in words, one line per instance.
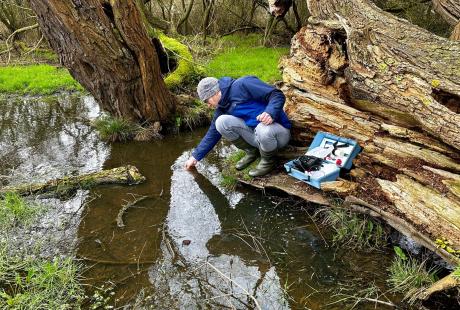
column 25, row 281
column 38, row 283
column 353, row 230
column 230, row 175
column 408, row 276
column 185, row 69
column 456, row 272
column 114, row 129
column 245, row 55
column 445, row 244
column 36, row 79
column 193, row 115
column 15, row 210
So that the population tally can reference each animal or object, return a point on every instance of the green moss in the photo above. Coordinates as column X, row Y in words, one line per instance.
column 447, row 245
column 229, row 172
column 185, row 67
column 383, row 67
column 36, row 79
column 456, row 273
column 228, row 182
column 244, row 55
column 435, row 83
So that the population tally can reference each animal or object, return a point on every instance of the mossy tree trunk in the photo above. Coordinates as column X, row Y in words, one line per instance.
column 362, row 73
column 105, row 46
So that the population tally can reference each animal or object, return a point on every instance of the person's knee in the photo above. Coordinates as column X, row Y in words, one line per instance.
column 222, row 123
column 265, row 137
column 264, row 131
column 226, row 124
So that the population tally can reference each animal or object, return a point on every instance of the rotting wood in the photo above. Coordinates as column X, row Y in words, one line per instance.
column 448, row 282
column 448, row 9
column 361, row 73
column 127, row 175
column 290, row 186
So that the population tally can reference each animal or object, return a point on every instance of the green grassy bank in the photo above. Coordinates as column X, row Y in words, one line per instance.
column 36, row 79
column 245, row 55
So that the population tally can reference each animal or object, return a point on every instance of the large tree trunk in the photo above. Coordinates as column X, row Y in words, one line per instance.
column 361, row 73
column 106, row 48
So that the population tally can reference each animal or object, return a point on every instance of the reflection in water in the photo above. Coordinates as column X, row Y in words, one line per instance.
column 219, row 280
column 42, row 139
column 242, row 246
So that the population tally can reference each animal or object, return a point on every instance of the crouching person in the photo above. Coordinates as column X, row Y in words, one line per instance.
column 249, row 113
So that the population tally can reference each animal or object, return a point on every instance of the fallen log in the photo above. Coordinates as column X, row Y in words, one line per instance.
column 361, row 73
column 128, row 175
column 444, row 284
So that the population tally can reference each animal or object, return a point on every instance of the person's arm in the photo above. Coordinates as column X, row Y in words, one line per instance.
column 206, row 144
column 262, row 92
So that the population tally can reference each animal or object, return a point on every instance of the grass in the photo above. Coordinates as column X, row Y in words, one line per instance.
column 33, row 283
column 15, row 210
column 36, row 79
column 408, row 276
column 38, row 283
column 114, row 129
column 245, row 55
column 230, row 175
column 352, row 230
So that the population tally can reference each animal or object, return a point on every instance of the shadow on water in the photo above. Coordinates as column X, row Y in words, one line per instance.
column 190, row 244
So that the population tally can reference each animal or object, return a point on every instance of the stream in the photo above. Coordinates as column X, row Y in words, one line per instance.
column 189, row 244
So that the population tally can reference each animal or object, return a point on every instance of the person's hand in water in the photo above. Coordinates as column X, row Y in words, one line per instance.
column 191, row 162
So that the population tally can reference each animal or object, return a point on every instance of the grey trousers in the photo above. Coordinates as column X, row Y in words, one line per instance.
column 266, row 137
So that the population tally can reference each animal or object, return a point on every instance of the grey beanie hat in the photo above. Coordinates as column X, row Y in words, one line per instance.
column 207, row 88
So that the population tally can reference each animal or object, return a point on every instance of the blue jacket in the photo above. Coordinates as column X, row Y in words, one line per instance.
column 246, row 98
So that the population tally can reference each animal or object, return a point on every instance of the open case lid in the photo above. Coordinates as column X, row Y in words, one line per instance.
column 331, row 148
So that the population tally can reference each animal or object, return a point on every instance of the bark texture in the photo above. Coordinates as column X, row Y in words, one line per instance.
column 361, row 73
column 448, row 9
column 106, row 48
column 455, row 36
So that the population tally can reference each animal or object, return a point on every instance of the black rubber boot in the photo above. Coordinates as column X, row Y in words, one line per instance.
column 252, row 153
column 266, row 164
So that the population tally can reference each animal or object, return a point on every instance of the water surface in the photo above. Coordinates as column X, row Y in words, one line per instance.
column 189, row 244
